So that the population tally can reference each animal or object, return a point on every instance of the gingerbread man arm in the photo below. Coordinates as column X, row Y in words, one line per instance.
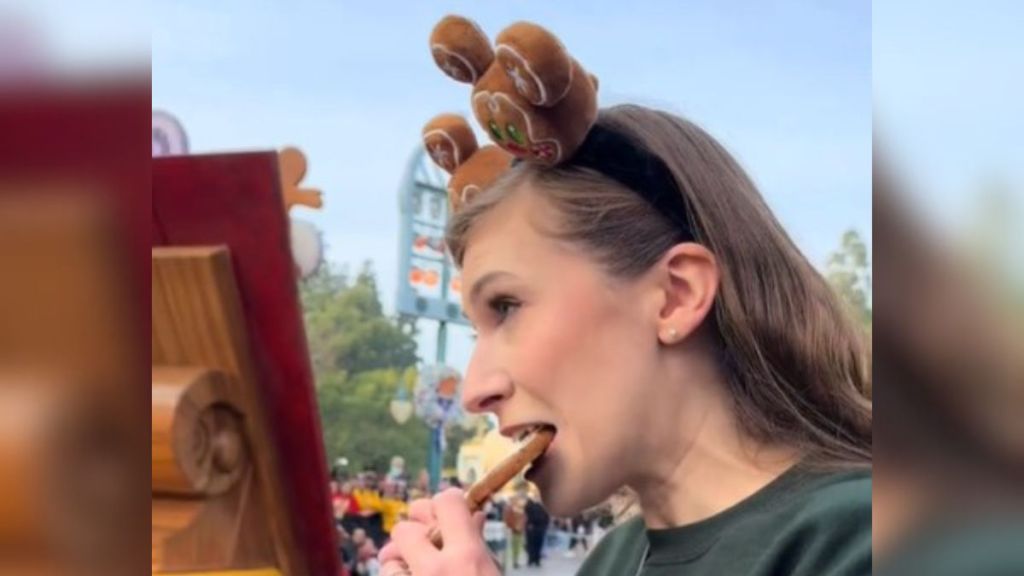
column 452, row 145
column 536, row 62
column 461, row 49
column 291, row 164
column 449, row 140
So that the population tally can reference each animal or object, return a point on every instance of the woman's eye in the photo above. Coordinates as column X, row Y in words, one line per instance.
column 503, row 308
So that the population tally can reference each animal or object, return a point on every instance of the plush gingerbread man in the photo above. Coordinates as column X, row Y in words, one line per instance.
column 534, row 100
column 452, row 145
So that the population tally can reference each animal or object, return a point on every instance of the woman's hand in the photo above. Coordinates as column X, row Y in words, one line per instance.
column 410, row 552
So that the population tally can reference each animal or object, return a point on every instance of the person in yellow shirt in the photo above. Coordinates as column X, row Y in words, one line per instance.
column 366, row 494
column 368, row 497
column 393, row 506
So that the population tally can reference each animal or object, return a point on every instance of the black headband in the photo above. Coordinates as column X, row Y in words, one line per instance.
column 618, row 157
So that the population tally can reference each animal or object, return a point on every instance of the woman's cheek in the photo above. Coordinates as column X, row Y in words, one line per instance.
column 536, row 352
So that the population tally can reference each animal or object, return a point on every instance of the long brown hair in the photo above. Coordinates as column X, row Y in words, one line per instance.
column 796, row 363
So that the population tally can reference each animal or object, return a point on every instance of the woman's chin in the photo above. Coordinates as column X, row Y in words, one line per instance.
column 558, row 505
column 559, row 495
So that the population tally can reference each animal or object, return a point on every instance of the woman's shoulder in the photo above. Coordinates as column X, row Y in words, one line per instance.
column 815, row 523
column 840, row 498
column 824, row 491
column 821, row 526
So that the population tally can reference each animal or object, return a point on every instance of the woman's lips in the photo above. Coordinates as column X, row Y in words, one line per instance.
column 535, row 467
column 538, row 464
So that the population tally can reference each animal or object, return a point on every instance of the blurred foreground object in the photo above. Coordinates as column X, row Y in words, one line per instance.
column 74, row 214
column 949, row 402
column 239, row 473
column 238, row 476
column 949, row 278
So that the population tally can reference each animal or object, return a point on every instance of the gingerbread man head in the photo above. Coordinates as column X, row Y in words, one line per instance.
column 534, row 100
column 452, row 145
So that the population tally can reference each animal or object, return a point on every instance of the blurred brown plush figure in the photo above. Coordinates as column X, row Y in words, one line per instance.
column 949, row 389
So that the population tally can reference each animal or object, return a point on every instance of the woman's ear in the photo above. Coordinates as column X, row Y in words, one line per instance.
column 688, row 277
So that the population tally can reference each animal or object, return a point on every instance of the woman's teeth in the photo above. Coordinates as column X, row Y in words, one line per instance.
column 527, row 433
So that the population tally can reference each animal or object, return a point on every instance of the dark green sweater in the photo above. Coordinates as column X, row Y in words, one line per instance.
column 801, row 524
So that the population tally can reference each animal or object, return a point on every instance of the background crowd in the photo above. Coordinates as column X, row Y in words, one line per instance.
column 368, row 504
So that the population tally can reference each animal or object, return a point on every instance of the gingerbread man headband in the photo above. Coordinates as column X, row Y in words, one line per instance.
column 533, row 99
column 537, row 104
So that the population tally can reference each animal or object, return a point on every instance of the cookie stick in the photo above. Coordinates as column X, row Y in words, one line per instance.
column 535, row 445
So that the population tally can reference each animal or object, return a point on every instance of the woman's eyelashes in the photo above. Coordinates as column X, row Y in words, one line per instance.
column 502, row 307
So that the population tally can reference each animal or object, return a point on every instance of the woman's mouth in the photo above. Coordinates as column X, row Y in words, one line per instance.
column 536, row 467
column 541, row 436
column 539, row 462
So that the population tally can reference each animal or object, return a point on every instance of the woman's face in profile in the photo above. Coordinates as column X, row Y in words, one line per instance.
column 562, row 343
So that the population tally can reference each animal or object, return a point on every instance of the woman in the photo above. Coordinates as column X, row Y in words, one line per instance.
column 681, row 345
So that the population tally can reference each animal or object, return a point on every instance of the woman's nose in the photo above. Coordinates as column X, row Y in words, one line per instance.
column 484, row 388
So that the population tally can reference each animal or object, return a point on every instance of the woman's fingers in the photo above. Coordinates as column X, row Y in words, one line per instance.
column 388, row 553
column 422, row 511
column 454, row 519
column 416, row 549
column 479, row 518
column 411, row 553
column 394, row 568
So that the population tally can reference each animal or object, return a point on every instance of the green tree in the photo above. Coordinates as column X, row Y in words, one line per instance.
column 849, row 271
column 357, row 422
column 360, row 357
column 346, row 327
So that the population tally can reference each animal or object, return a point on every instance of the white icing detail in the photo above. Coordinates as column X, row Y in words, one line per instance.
column 526, row 65
column 466, row 190
column 492, row 103
column 441, row 156
column 446, row 136
column 517, row 78
column 453, row 71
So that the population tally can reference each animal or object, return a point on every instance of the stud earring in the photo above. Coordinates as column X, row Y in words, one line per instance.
column 671, row 334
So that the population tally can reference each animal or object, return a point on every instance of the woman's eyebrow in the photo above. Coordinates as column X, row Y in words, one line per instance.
column 482, row 283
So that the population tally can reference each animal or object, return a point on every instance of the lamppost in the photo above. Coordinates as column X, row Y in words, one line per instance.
column 401, row 406
column 436, row 401
column 340, row 469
